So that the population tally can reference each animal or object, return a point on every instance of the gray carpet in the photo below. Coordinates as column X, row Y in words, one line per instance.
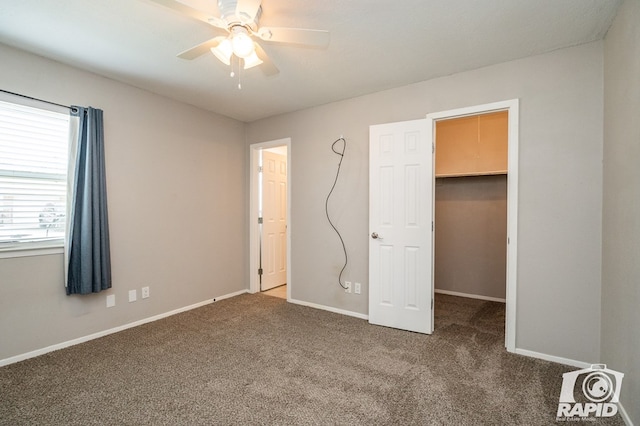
column 255, row 359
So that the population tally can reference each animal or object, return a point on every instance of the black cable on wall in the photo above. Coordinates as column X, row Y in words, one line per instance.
column 326, row 204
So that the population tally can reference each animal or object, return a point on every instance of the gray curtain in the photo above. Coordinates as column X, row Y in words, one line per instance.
column 87, row 256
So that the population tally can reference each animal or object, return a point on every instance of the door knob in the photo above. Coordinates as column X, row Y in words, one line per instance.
column 375, row 236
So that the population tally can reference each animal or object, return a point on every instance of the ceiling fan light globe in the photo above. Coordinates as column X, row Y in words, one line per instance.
column 223, row 51
column 242, row 44
column 252, row 61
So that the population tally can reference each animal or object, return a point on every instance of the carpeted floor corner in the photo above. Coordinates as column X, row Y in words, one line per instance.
column 255, row 359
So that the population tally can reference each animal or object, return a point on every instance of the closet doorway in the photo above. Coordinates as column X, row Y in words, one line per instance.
column 471, row 206
column 269, row 205
column 475, row 194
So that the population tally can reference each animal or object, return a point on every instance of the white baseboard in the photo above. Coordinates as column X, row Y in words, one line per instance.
column 552, row 358
column 83, row 339
column 471, row 296
column 330, row 309
column 624, row 415
column 227, row 296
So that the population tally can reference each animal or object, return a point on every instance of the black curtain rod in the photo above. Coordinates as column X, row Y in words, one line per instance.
column 36, row 99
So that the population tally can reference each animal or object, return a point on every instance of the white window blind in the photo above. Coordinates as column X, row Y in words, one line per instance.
column 33, row 172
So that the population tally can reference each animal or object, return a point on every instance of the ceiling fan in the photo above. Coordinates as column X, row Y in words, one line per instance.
column 238, row 26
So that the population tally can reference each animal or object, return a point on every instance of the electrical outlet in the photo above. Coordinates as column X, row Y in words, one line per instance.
column 133, row 295
column 356, row 288
column 347, row 286
column 145, row 292
column 111, row 301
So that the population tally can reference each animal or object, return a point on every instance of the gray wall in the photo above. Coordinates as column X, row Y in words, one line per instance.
column 560, row 190
column 621, row 214
column 175, row 177
column 471, row 235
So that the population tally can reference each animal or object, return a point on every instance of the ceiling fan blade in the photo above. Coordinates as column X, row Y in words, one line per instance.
column 218, row 23
column 301, row 36
column 200, row 49
column 247, row 9
column 184, row 9
column 267, row 67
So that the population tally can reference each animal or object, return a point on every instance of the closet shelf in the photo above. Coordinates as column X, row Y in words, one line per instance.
column 487, row 173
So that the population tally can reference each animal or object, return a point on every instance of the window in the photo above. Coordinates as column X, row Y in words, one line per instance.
column 33, row 175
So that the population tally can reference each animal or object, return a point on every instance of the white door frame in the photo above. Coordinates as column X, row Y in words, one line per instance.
column 254, row 233
column 512, row 199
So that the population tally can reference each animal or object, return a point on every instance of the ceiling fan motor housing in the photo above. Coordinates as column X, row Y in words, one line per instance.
column 228, row 9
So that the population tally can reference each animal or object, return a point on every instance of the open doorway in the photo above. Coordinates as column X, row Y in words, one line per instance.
column 470, row 250
column 471, row 206
column 475, row 205
column 269, row 227
column 272, row 217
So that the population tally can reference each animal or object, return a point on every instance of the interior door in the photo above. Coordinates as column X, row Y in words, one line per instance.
column 274, row 220
column 401, row 226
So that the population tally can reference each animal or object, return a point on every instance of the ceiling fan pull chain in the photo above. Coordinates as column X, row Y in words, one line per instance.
column 232, row 62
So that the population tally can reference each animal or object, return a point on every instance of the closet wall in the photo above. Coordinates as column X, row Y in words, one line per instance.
column 471, row 205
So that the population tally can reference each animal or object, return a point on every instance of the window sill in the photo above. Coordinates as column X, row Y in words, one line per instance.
column 31, row 250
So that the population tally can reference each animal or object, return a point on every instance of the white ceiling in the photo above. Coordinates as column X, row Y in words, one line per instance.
column 375, row 44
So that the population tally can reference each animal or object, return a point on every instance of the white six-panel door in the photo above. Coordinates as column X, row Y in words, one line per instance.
column 400, row 226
